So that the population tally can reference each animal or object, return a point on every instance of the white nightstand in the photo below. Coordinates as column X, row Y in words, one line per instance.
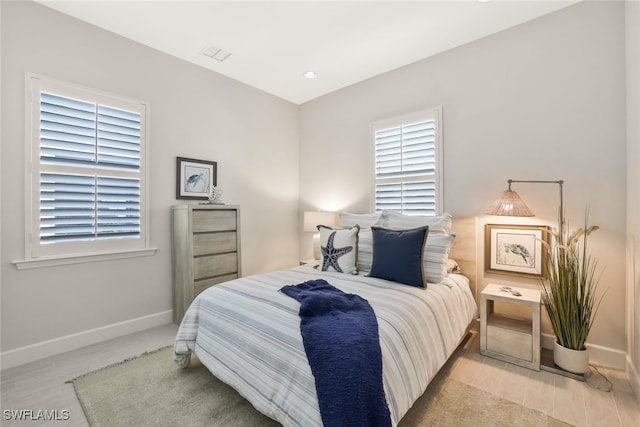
column 312, row 262
column 506, row 338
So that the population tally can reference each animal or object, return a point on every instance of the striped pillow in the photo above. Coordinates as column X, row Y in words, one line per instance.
column 397, row 221
column 365, row 221
column 436, row 254
column 439, row 240
column 365, row 250
column 365, row 236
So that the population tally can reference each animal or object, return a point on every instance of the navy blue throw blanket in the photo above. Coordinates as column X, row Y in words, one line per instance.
column 340, row 336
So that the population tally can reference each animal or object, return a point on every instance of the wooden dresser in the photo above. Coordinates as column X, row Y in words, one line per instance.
column 205, row 250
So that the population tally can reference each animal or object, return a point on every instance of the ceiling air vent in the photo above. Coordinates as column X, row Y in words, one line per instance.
column 215, row 52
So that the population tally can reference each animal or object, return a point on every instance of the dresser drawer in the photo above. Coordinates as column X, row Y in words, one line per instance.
column 214, row 243
column 201, row 285
column 218, row 220
column 214, row 265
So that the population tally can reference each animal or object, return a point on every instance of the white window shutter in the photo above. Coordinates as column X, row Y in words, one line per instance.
column 118, row 138
column 82, row 207
column 89, row 183
column 407, row 164
column 67, row 131
column 118, row 207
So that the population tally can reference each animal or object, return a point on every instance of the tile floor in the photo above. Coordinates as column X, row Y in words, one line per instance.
column 41, row 384
column 574, row 402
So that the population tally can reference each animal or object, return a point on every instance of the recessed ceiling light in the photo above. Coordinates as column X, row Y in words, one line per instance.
column 310, row 74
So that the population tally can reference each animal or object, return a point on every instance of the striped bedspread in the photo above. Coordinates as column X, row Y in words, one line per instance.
column 247, row 334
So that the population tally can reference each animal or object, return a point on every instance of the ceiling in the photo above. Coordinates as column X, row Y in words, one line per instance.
column 273, row 43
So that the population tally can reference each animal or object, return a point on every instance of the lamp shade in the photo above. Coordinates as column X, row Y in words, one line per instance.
column 509, row 204
column 312, row 219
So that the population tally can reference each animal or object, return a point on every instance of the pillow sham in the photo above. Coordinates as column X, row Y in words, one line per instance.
column 339, row 248
column 365, row 221
column 397, row 221
column 436, row 256
column 365, row 250
column 365, row 237
column 398, row 255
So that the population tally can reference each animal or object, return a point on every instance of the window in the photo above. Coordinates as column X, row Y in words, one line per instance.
column 408, row 163
column 87, row 154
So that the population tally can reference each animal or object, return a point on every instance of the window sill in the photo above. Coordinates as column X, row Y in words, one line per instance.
column 78, row 259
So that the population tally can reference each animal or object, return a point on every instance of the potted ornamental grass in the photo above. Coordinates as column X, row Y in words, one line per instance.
column 569, row 294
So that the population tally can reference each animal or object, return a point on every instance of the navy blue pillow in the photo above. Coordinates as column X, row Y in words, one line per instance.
column 397, row 255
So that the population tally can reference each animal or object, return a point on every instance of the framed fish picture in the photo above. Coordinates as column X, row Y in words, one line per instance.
column 195, row 178
column 516, row 249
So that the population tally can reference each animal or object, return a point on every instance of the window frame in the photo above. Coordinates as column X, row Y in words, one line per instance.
column 434, row 114
column 37, row 254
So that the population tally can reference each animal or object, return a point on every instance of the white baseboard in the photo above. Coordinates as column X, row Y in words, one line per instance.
column 634, row 377
column 30, row 353
column 598, row 355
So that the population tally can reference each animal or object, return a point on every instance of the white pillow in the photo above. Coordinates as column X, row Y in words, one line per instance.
column 365, row 250
column 397, row 221
column 365, row 221
column 365, row 236
column 339, row 249
column 436, row 254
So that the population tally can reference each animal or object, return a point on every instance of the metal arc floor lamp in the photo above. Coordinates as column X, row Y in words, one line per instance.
column 510, row 204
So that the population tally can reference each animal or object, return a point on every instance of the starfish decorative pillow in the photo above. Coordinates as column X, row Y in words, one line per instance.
column 339, row 248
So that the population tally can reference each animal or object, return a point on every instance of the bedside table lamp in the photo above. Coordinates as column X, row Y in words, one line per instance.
column 312, row 219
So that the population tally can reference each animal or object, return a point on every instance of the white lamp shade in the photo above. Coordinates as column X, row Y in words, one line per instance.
column 312, row 219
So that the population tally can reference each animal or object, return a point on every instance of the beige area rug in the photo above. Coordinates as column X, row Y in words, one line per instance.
column 151, row 390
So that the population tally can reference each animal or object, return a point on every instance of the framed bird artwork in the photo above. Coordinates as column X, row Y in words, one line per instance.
column 516, row 249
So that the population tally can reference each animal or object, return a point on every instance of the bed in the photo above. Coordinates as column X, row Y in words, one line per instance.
column 247, row 333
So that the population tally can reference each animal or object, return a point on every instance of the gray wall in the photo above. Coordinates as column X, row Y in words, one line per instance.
column 543, row 100
column 633, row 189
column 194, row 113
